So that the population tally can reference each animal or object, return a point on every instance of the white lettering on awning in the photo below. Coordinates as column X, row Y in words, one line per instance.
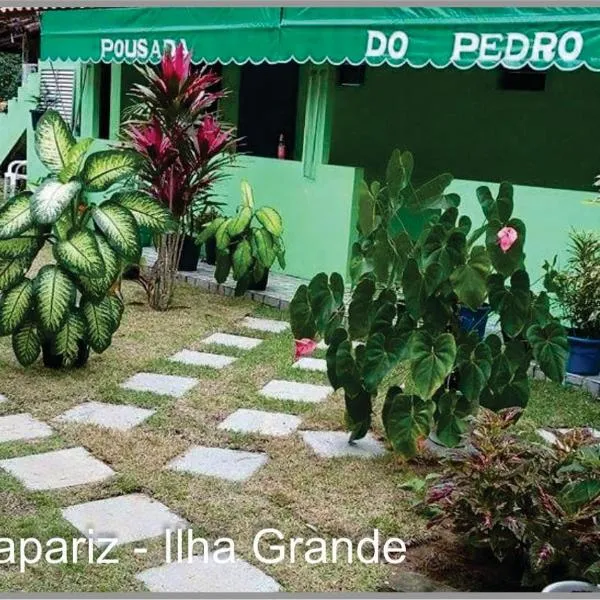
column 140, row 49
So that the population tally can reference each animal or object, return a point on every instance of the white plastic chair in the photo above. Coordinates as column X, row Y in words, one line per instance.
column 16, row 171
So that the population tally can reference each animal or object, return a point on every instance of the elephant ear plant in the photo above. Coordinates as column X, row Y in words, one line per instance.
column 248, row 243
column 409, row 292
column 75, row 303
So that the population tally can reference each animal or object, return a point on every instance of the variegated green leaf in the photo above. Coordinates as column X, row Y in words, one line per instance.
column 99, row 322
column 241, row 220
column 26, row 343
column 119, row 227
column 14, row 306
column 66, row 342
column 53, row 141
column 97, row 287
column 54, row 295
column 107, row 167
column 16, row 216
column 25, row 245
column 74, row 159
column 80, row 254
column 51, row 198
column 12, row 270
column 117, row 309
column 145, row 210
column 247, row 195
column 270, row 219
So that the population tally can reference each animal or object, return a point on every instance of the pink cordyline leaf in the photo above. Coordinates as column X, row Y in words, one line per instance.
column 211, row 138
column 507, row 236
column 304, row 347
column 176, row 66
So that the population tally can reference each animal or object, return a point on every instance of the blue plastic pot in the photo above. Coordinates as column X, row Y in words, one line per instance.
column 584, row 356
column 474, row 319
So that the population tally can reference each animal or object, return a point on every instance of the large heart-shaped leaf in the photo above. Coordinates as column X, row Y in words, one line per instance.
column 431, row 362
column 100, row 323
column 12, row 270
column 418, row 286
column 54, row 296
column 406, row 419
column 550, row 349
column 326, row 296
column 53, row 141
column 80, row 254
column 107, row 167
column 15, row 216
column 513, row 303
column 51, row 198
column 96, row 287
column 475, row 367
column 337, row 337
column 431, row 194
column 15, row 304
column 398, row 172
column 302, row 320
column 74, row 159
column 443, row 249
column 453, row 409
column 360, row 311
column 366, row 209
column 469, row 280
column 120, row 229
column 26, row 343
column 66, row 342
column 145, row 210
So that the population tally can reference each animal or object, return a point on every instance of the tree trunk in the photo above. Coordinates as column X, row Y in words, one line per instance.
column 162, row 275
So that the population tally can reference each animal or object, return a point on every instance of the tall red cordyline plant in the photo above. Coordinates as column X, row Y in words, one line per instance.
column 184, row 150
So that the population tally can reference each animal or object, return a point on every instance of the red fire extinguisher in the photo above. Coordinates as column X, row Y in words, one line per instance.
column 281, row 147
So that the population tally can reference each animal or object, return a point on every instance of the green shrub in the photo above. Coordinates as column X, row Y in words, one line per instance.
column 10, row 75
column 527, row 501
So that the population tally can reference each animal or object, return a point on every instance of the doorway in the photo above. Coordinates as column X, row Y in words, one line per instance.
column 268, row 104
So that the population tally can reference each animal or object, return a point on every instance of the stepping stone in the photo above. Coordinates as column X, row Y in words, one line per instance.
column 259, row 421
column 111, row 416
column 292, row 390
column 127, row 518
column 270, row 325
column 306, row 363
column 233, row 465
column 59, row 469
column 168, row 385
column 235, row 341
column 551, row 438
column 22, row 427
column 202, row 359
column 333, row 444
column 205, row 574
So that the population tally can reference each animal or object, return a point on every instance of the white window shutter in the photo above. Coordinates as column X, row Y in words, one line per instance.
column 57, row 87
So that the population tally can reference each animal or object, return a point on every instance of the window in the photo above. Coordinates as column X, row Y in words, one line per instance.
column 522, row 80
column 104, row 101
column 351, row 75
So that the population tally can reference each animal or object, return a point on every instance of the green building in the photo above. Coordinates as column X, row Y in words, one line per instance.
column 487, row 94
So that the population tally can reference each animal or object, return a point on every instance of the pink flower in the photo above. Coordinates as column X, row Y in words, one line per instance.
column 304, row 347
column 507, row 236
column 176, row 66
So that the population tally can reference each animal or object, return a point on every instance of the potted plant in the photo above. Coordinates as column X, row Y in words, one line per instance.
column 41, row 106
column 73, row 304
column 247, row 244
column 577, row 293
column 407, row 295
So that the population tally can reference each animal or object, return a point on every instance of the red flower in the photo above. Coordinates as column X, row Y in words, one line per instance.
column 304, row 347
column 211, row 138
column 176, row 66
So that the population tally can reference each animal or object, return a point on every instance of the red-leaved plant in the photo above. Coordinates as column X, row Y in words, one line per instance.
column 527, row 501
column 184, row 150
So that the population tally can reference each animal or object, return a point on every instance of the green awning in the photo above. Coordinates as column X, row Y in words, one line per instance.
column 564, row 37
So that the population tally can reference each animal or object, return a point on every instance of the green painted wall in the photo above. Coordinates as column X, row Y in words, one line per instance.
column 318, row 216
column 547, row 213
column 459, row 121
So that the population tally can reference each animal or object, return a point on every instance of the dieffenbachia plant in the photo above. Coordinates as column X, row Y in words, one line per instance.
column 404, row 308
column 248, row 243
column 74, row 300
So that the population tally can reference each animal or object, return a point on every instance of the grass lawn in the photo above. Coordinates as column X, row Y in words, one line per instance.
column 296, row 492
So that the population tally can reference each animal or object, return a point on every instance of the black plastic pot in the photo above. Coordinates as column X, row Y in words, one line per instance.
column 210, row 251
column 55, row 361
column 36, row 115
column 261, row 284
column 132, row 272
column 190, row 255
